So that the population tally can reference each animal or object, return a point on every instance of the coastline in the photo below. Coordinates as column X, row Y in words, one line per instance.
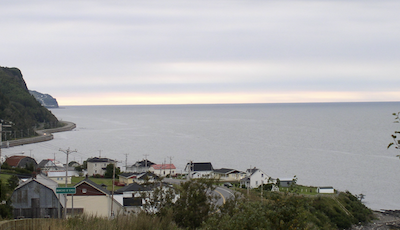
column 44, row 135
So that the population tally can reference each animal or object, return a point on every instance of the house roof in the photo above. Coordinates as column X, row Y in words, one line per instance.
column 200, row 166
column 94, row 185
column 130, row 174
column 134, row 187
column 227, row 171
column 143, row 163
column 97, row 159
column 44, row 162
column 138, row 175
column 326, row 187
column 13, row 161
column 163, row 166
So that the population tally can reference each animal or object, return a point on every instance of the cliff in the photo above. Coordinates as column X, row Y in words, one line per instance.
column 45, row 100
column 18, row 106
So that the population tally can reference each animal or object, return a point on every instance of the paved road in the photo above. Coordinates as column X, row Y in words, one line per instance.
column 224, row 193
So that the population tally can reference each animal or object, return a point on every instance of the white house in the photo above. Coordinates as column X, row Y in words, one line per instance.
column 163, row 169
column 225, row 174
column 254, row 178
column 199, row 169
column 59, row 175
column 98, row 165
column 140, row 178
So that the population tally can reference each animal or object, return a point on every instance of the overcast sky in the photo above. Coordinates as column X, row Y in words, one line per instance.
column 106, row 52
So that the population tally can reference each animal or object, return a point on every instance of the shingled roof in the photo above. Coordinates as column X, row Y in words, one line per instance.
column 200, row 166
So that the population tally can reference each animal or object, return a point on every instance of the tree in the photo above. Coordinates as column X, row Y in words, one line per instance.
column 12, row 182
column 110, row 169
column 195, row 203
column 161, row 200
column 396, row 140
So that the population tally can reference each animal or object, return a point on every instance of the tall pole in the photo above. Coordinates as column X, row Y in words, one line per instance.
column 68, row 151
column 145, row 155
column 112, row 194
column 170, row 166
column 126, row 160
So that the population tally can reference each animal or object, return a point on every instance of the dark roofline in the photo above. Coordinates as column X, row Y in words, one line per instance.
column 97, row 159
column 94, row 185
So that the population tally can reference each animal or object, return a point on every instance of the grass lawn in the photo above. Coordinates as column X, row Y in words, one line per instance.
column 4, row 178
column 99, row 181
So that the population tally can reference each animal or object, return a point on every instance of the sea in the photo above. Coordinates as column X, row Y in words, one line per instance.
column 343, row 145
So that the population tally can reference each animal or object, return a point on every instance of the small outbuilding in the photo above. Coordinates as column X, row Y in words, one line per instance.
column 37, row 198
column 327, row 189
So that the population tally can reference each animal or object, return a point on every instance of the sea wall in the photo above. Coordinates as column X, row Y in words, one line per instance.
column 44, row 135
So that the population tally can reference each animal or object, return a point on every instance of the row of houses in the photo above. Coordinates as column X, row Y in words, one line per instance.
column 54, row 170
column 38, row 198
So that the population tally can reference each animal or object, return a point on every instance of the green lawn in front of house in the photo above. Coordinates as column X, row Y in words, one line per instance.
column 4, row 178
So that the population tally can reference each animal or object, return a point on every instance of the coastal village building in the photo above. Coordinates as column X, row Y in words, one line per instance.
column 199, row 169
column 285, row 182
column 140, row 178
column 97, row 166
column 21, row 162
column 49, row 164
column 225, row 174
column 140, row 166
column 92, row 199
column 163, row 169
column 254, row 178
column 37, row 198
column 132, row 197
column 327, row 190
column 59, row 175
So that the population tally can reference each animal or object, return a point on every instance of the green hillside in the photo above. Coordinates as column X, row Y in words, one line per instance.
column 18, row 106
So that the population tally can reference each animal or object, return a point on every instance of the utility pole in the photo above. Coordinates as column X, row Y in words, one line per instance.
column 145, row 156
column 170, row 166
column 126, row 160
column 112, row 194
column 68, row 151
column 189, row 169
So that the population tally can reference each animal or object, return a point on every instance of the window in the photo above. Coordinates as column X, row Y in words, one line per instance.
column 84, row 190
column 95, row 164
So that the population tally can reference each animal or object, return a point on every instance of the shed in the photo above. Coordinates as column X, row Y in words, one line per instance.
column 36, row 198
column 327, row 189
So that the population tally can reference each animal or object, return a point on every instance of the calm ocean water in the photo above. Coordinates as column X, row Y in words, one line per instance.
column 324, row 144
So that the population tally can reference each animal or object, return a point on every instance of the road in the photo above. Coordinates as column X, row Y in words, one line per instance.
column 222, row 193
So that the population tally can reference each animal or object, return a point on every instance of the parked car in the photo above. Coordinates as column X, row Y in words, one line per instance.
column 228, row 185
